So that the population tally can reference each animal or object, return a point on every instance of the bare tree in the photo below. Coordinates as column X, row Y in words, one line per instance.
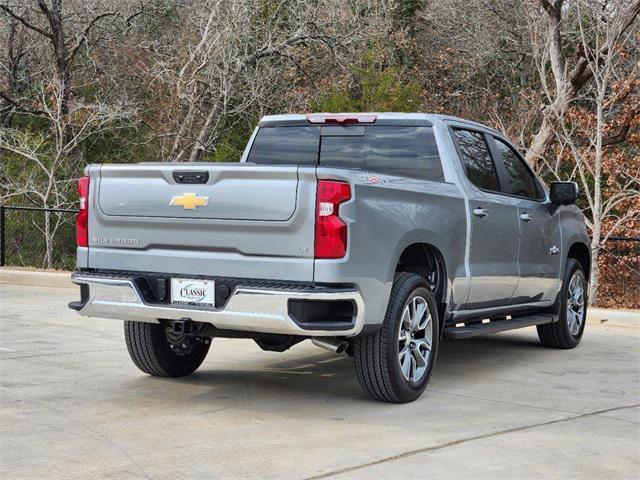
column 40, row 154
column 42, row 166
column 478, row 62
column 14, row 55
column 226, row 66
column 584, row 134
column 50, row 21
column 570, row 77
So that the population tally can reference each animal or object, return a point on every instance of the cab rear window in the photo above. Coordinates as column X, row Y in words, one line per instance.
column 393, row 150
column 401, row 151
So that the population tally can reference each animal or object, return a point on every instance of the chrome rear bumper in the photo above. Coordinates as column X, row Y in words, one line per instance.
column 248, row 309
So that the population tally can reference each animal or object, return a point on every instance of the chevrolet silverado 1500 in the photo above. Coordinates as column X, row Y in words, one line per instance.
column 374, row 234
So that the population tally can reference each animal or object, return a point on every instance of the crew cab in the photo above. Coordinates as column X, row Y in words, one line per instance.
column 375, row 234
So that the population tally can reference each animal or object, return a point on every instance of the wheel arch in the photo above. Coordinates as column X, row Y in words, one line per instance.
column 424, row 259
column 580, row 252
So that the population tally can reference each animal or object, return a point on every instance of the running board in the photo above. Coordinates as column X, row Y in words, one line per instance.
column 495, row 326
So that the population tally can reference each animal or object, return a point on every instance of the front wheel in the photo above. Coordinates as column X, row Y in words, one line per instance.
column 394, row 364
column 567, row 331
column 158, row 351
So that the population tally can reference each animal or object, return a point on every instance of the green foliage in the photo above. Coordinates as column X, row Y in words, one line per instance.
column 230, row 146
column 165, row 16
column 374, row 88
column 406, row 9
column 336, row 99
column 123, row 144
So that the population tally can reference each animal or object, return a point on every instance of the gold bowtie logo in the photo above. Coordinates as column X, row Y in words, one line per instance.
column 189, row 201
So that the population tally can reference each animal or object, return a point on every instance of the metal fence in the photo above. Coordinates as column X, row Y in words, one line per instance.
column 26, row 247
column 22, row 240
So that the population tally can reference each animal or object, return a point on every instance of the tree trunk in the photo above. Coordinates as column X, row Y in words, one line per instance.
column 205, row 131
column 13, row 56
column 594, row 276
column 48, row 239
column 597, row 199
column 60, row 51
column 178, row 148
column 541, row 141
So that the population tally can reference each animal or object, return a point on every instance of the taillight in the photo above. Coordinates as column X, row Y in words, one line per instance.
column 331, row 231
column 82, row 219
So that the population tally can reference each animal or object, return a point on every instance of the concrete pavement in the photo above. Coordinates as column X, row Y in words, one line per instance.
column 72, row 405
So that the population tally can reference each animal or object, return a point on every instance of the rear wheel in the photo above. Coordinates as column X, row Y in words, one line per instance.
column 394, row 364
column 568, row 330
column 156, row 350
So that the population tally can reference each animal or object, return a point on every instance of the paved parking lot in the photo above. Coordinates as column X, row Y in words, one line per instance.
column 502, row 406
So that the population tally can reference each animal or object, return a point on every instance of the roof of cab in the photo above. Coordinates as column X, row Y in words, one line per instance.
column 426, row 119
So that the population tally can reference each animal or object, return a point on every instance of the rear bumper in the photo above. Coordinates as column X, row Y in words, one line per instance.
column 250, row 309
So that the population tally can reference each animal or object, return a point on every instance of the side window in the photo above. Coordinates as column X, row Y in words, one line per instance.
column 521, row 179
column 477, row 159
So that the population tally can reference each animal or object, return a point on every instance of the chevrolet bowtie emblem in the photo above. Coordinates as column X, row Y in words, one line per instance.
column 189, row 201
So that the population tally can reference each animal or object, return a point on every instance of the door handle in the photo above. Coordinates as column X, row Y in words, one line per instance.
column 525, row 217
column 480, row 212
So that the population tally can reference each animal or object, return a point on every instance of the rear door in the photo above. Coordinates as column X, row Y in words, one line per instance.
column 493, row 254
column 539, row 256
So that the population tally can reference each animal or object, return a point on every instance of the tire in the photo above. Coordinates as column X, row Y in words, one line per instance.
column 377, row 357
column 566, row 333
column 161, row 354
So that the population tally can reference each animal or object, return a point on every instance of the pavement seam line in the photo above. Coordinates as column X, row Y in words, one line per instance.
column 59, row 354
column 491, row 400
column 454, row 443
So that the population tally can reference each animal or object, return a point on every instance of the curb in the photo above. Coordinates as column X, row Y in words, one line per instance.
column 36, row 278
column 605, row 316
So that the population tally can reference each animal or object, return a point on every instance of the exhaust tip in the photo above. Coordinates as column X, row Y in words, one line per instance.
column 333, row 345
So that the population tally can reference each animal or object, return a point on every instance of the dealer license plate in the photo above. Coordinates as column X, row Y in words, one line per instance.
column 185, row 291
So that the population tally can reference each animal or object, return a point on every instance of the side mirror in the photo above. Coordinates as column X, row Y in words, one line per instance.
column 563, row 193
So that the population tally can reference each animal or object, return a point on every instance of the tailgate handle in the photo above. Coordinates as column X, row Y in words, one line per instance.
column 191, row 177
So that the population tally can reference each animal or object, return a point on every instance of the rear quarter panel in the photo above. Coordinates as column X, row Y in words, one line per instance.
column 385, row 216
column 573, row 229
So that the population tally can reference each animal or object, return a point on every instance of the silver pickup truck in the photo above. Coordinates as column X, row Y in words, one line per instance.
column 374, row 234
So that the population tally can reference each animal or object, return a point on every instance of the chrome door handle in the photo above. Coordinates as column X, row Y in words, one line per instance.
column 480, row 212
column 525, row 217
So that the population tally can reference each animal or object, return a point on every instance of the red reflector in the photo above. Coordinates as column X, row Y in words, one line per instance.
column 331, row 231
column 345, row 119
column 82, row 219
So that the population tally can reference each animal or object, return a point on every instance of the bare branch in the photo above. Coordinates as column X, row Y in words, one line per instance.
column 25, row 22
column 82, row 38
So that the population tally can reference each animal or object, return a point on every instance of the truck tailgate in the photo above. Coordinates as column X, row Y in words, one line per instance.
column 245, row 221
column 232, row 191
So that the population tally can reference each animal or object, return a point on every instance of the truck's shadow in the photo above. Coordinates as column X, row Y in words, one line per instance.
column 329, row 379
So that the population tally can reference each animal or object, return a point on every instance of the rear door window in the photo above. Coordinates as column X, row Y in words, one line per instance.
column 476, row 159
column 402, row 151
column 285, row 146
column 521, row 180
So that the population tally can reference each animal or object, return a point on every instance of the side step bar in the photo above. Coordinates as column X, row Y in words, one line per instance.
column 495, row 326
